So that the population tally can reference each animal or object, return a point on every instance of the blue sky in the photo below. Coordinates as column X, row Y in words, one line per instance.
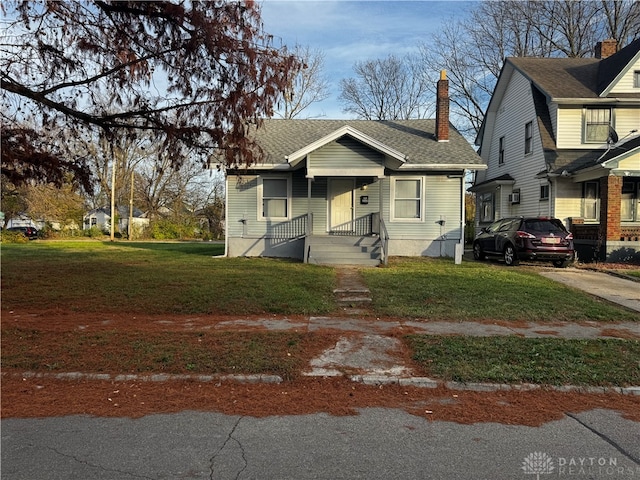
column 351, row 31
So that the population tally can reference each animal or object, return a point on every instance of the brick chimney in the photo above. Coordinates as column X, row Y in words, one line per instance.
column 606, row 48
column 442, row 108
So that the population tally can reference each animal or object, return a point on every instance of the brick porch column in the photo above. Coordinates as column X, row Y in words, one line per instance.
column 610, row 200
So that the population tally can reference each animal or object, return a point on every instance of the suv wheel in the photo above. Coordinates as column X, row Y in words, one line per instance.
column 478, row 254
column 510, row 257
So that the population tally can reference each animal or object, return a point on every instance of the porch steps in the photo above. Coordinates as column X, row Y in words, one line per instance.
column 344, row 250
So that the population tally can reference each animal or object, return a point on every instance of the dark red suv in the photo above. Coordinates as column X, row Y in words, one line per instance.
column 526, row 238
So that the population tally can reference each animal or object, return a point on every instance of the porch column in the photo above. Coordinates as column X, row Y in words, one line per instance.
column 610, row 201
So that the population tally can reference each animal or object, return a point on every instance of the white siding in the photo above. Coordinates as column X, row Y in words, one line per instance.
column 568, row 201
column 625, row 84
column 570, row 128
column 625, row 119
column 516, row 111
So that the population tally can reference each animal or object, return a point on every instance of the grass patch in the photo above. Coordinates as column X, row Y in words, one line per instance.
column 277, row 353
column 92, row 276
column 603, row 362
column 437, row 289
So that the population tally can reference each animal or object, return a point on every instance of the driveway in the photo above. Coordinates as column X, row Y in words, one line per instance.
column 609, row 287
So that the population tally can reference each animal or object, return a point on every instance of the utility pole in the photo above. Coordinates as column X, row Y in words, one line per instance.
column 113, row 198
column 130, row 229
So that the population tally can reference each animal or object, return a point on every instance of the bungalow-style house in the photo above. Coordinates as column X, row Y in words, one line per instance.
column 101, row 218
column 352, row 191
column 561, row 138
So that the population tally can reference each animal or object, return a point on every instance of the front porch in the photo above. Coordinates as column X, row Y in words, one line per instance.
column 592, row 244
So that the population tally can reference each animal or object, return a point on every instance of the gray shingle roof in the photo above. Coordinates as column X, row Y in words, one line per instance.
column 561, row 77
column 413, row 138
column 576, row 77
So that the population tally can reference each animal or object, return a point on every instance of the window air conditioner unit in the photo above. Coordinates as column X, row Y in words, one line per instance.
column 514, row 197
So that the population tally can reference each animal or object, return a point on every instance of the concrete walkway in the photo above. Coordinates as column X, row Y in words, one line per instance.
column 609, row 287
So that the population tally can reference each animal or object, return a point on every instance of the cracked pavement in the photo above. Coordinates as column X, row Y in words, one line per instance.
column 376, row 444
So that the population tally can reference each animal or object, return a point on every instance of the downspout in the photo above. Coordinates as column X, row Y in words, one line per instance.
column 459, row 251
column 226, row 215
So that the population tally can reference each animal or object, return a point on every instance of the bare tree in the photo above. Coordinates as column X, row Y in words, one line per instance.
column 194, row 73
column 308, row 86
column 387, row 89
column 473, row 50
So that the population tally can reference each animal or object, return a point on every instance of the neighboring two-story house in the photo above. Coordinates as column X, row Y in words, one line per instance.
column 561, row 138
column 352, row 191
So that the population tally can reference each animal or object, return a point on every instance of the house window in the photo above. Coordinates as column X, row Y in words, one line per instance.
column 501, row 152
column 486, row 207
column 636, row 79
column 275, row 195
column 528, row 138
column 630, row 202
column 544, row 192
column 407, row 198
column 591, row 201
column 596, row 125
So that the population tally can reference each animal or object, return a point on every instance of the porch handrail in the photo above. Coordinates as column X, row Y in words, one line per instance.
column 307, row 237
column 384, row 240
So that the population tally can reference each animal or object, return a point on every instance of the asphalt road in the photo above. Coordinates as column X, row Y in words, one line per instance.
column 376, row 444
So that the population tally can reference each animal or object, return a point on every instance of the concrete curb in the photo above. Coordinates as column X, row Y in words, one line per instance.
column 421, row 382
column 426, row 382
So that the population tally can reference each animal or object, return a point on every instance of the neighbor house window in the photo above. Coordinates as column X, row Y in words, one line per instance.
column 485, row 202
column 501, row 151
column 630, row 202
column 407, row 198
column 636, row 79
column 528, row 138
column 544, row 192
column 275, row 196
column 591, row 201
column 596, row 125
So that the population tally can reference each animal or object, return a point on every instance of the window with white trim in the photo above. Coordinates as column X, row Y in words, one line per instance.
column 407, row 198
column 528, row 138
column 274, row 198
column 591, row 201
column 596, row 124
column 544, row 192
column 636, row 79
column 485, row 202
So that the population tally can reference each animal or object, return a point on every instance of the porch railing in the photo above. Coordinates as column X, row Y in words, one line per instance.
column 358, row 226
column 384, row 241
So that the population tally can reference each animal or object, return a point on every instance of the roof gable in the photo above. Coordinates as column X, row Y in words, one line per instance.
column 346, row 130
column 405, row 144
column 613, row 68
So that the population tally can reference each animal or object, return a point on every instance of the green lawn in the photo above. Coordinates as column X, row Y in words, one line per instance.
column 436, row 289
column 158, row 278
column 549, row 361
column 184, row 277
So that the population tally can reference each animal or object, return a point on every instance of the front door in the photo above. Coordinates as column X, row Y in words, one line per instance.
column 341, row 204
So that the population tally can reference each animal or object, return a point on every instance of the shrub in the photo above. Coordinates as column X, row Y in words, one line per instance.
column 12, row 237
column 169, row 230
column 94, row 232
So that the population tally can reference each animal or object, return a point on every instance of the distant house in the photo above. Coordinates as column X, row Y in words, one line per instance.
column 561, row 138
column 352, row 191
column 101, row 218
